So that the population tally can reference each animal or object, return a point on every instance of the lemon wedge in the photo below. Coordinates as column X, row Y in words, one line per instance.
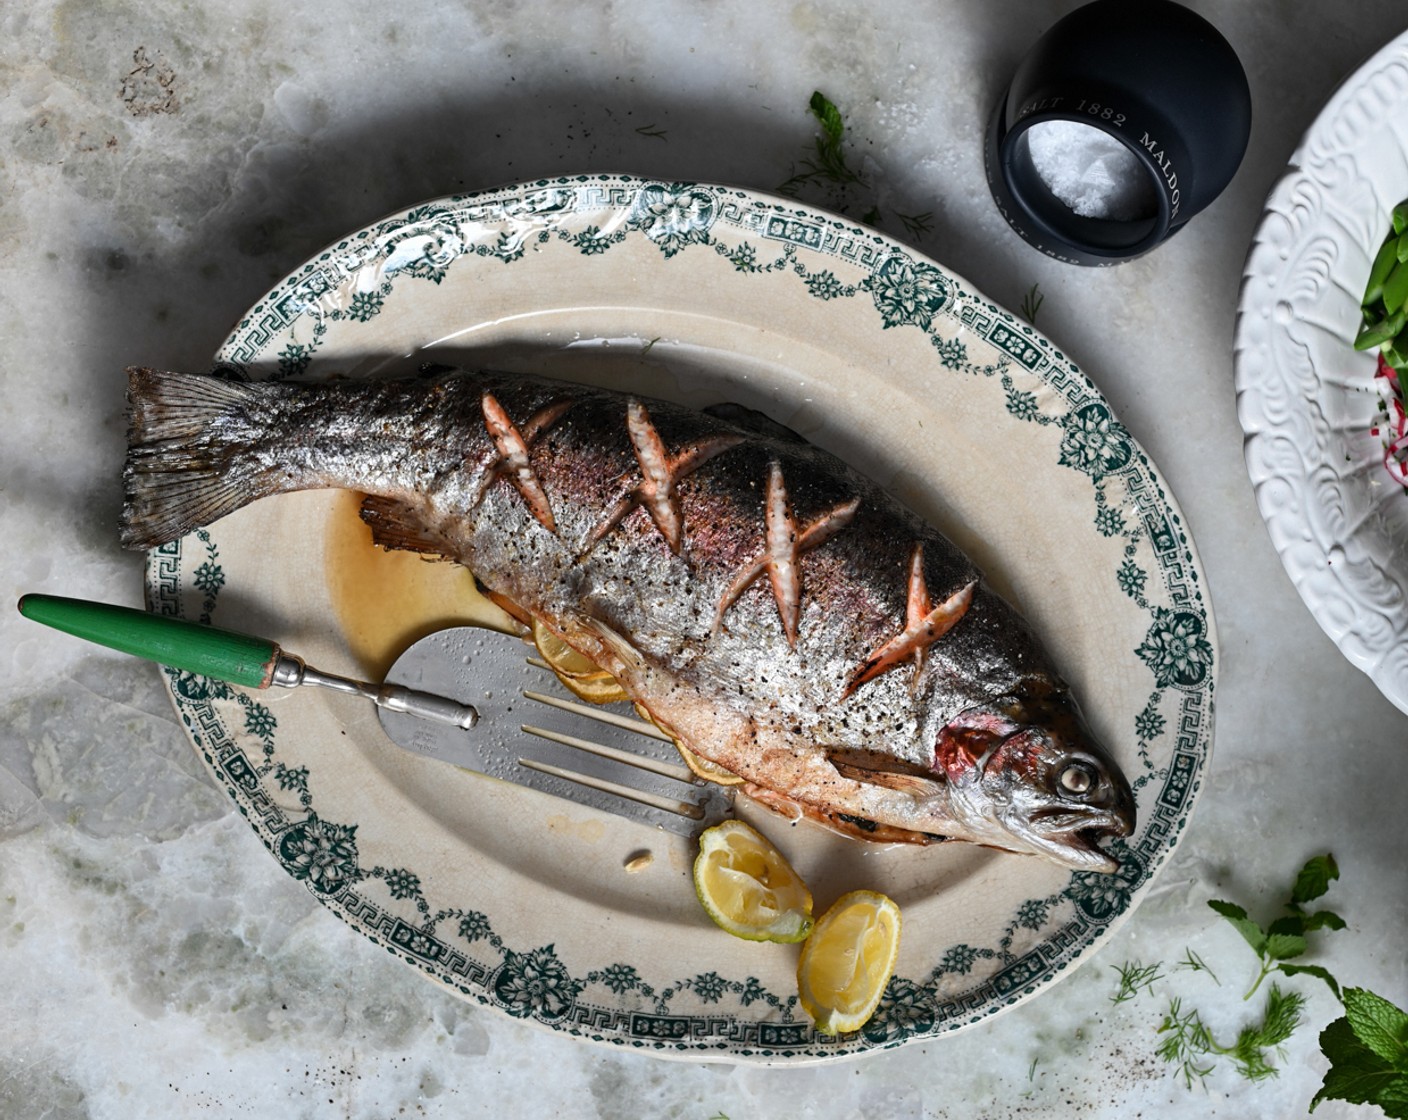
column 848, row 960
column 748, row 888
column 577, row 671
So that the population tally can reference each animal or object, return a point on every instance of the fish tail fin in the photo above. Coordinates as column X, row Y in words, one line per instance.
column 181, row 471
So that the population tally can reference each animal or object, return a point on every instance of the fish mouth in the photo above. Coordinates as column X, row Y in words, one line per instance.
column 1072, row 836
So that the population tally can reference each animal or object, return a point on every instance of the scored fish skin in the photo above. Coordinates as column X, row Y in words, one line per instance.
column 772, row 609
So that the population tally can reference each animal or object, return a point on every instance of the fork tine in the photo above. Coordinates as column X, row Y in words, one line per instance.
column 587, row 754
column 688, row 809
column 599, row 714
column 601, row 750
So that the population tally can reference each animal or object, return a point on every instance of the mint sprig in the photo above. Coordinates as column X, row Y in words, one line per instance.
column 1285, row 938
column 1368, row 1052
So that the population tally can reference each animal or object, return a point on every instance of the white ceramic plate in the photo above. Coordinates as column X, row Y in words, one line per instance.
column 701, row 294
column 1306, row 400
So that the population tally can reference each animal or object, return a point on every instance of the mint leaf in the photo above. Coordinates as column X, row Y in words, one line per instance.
column 1379, row 1025
column 1394, row 1099
column 1253, row 933
column 1284, row 946
column 1326, row 919
column 1356, row 1073
column 1368, row 1052
column 1315, row 879
column 1311, row 970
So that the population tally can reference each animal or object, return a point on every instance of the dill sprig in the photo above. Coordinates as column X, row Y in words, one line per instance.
column 917, row 225
column 1188, row 1041
column 1190, row 1045
column 1134, row 978
column 1031, row 303
column 829, row 164
column 1194, row 963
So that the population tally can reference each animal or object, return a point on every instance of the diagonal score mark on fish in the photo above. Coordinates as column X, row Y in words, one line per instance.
column 835, row 687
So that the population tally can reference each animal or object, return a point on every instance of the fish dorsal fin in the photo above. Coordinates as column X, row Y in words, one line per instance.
column 395, row 525
column 876, row 769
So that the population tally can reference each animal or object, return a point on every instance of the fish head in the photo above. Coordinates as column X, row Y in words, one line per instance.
column 1027, row 775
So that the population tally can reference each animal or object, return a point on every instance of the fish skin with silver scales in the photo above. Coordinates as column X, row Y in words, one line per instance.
column 772, row 609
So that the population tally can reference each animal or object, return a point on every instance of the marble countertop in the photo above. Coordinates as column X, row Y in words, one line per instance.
column 163, row 164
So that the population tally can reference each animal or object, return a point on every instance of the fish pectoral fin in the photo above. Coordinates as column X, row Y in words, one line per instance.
column 759, row 423
column 875, row 769
column 395, row 525
column 845, row 824
column 616, row 643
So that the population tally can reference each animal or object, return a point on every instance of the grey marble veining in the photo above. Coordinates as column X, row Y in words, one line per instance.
column 162, row 164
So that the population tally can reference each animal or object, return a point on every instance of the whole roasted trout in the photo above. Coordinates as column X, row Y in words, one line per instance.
column 771, row 609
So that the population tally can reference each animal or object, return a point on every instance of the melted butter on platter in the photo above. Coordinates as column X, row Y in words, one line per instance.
column 387, row 600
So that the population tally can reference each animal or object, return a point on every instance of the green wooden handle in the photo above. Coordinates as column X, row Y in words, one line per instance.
column 227, row 656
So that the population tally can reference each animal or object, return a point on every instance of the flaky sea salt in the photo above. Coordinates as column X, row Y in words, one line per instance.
column 1091, row 171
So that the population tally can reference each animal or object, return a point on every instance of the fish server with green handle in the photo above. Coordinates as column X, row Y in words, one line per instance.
column 459, row 696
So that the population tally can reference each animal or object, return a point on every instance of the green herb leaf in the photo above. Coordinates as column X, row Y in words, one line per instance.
column 1187, row 1043
column 1376, row 334
column 1254, row 934
column 1282, row 1016
column 1384, row 261
column 1379, row 1025
column 1292, row 924
column 830, row 163
column 1279, row 1019
column 1358, row 1075
column 1315, row 879
column 830, row 117
column 1285, row 946
column 1311, row 970
column 1323, row 919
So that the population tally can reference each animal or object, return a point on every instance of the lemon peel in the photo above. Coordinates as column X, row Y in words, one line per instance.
column 848, row 961
column 748, row 888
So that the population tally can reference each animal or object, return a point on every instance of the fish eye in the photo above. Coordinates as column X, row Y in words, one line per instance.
column 1078, row 778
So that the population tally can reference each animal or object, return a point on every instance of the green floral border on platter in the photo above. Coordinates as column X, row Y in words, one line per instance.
column 699, row 1015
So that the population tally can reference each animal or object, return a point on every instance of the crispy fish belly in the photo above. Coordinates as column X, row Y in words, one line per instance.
column 776, row 612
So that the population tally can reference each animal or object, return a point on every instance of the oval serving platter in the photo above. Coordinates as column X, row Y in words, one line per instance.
column 1306, row 400
column 587, row 924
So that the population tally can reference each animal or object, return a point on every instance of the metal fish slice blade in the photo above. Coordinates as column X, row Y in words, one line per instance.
column 532, row 733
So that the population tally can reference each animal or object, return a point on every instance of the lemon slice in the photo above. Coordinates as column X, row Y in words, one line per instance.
column 748, row 888
column 848, row 960
column 577, row 671
column 711, row 771
column 595, row 690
